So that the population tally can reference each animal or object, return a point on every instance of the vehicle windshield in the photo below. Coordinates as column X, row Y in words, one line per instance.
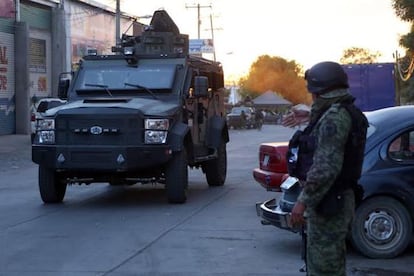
column 121, row 77
column 238, row 110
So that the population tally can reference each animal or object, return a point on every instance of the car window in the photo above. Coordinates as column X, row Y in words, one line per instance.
column 42, row 107
column 402, row 147
column 54, row 104
column 48, row 104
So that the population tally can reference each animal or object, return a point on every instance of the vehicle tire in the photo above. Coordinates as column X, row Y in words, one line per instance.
column 216, row 169
column 52, row 189
column 176, row 178
column 382, row 228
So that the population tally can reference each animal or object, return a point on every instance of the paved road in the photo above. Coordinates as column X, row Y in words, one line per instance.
column 101, row 230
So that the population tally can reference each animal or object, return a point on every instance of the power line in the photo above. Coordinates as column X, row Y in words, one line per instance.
column 198, row 7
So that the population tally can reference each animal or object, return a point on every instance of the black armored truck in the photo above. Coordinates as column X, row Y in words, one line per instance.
column 142, row 115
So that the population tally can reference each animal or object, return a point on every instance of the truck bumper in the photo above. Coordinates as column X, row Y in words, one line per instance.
column 271, row 214
column 104, row 158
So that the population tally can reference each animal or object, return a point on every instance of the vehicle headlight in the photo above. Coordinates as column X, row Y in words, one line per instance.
column 46, row 124
column 155, row 137
column 156, row 131
column 157, row 124
column 46, row 131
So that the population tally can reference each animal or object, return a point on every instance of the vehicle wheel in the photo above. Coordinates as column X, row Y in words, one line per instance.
column 176, row 178
column 382, row 228
column 52, row 189
column 216, row 169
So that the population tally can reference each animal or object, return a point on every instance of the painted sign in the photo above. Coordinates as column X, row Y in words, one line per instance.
column 39, row 62
column 7, row 8
column 201, row 46
column 7, row 95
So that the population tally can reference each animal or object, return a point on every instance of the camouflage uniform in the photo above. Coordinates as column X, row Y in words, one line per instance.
column 326, row 248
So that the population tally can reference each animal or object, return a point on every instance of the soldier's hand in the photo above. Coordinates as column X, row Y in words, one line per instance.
column 296, row 217
column 299, row 114
column 289, row 120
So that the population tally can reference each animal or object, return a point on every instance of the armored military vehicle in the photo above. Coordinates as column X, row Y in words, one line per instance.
column 142, row 115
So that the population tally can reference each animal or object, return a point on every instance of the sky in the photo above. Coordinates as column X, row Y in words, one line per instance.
column 307, row 31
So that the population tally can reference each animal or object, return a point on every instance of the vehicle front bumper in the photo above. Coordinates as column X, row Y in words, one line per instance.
column 271, row 214
column 104, row 158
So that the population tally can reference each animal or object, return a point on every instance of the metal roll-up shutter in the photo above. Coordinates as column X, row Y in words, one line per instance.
column 7, row 84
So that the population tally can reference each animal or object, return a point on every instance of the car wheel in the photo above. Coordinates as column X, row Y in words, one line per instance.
column 381, row 228
column 176, row 178
column 52, row 188
column 216, row 169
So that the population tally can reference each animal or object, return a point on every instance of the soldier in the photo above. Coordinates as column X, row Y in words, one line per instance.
column 332, row 163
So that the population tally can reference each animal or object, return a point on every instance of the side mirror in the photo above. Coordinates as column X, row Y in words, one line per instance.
column 200, row 86
column 63, row 89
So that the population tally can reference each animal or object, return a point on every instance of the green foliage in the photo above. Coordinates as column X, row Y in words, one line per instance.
column 407, row 40
column 356, row 55
column 276, row 74
column 404, row 9
column 407, row 92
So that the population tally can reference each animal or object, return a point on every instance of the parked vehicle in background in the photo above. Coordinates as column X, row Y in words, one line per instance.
column 39, row 108
column 383, row 222
column 241, row 117
column 142, row 115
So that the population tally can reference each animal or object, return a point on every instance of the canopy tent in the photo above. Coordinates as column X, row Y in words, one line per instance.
column 270, row 100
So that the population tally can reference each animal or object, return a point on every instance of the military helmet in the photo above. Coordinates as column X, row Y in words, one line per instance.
column 326, row 76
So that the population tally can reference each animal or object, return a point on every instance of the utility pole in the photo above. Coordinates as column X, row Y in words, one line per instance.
column 212, row 35
column 198, row 6
column 17, row 9
column 118, row 23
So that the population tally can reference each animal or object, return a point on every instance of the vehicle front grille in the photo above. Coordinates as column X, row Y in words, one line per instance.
column 99, row 129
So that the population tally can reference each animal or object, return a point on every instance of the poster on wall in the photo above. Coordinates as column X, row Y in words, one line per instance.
column 38, row 64
column 7, row 8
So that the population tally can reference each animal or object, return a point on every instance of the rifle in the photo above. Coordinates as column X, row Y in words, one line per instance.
column 304, row 268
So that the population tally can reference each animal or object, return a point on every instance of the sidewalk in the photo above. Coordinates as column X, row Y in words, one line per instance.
column 15, row 151
column 14, row 142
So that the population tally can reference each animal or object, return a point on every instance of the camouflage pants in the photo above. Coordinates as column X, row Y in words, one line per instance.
column 326, row 247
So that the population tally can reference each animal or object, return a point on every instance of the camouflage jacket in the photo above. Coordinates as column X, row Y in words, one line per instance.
column 331, row 131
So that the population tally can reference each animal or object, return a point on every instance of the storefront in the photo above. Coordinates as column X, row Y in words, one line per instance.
column 39, row 40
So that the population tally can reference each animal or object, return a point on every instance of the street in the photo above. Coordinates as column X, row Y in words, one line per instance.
column 132, row 230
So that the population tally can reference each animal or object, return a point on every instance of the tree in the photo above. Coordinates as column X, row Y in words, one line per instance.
column 359, row 55
column 404, row 9
column 276, row 74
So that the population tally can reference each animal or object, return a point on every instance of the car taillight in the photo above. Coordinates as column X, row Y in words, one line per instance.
column 32, row 117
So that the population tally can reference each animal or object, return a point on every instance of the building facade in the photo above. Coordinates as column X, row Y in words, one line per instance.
column 39, row 39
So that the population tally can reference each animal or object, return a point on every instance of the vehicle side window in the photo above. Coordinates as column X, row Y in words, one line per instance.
column 42, row 107
column 402, row 148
